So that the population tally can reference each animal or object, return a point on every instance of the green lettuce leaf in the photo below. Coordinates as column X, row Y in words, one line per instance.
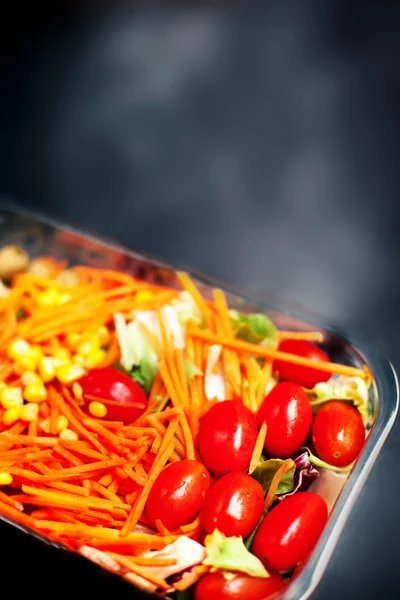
column 146, row 370
column 348, row 389
column 255, row 328
column 230, row 554
column 265, row 472
column 191, row 370
column 317, row 462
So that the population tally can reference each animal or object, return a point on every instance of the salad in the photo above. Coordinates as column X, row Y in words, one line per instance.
column 165, row 436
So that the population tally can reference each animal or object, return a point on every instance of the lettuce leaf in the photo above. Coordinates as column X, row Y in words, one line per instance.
column 350, row 389
column 305, row 474
column 255, row 328
column 191, row 370
column 265, row 472
column 230, row 554
column 214, row 381
column 138, row 356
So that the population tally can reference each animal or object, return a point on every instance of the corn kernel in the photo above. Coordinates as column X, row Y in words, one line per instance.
column 50, row 297
column 45, row 425
column 77, row 391
column 18, row 348
column 47, row 369
column 61, row 423
column 25, row 363
column 30, row 412
column 64, row 298
column 67, row 278
column 95, row 357
column 35, row 392
column 98, row 409
column 2, row 385
column 68, row 434
column 6, row 479
column 30, row 378
column 10, row 397
column 78, row 359
column 90, row 344
column 103, row 335
column 61, row 357
column 144, row 296
column 69, row 373
column 11, row 415
column 73, row 339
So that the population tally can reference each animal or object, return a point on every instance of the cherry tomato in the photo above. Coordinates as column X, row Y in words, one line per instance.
column 338, row 433
column 234, row 505
column 124, row 398
column 305, row 376
column 227, row 435
column 288, row 414
column 290, row 531
column 177, row 495
column 214, row 586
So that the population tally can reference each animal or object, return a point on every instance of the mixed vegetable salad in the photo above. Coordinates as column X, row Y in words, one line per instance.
column 165, row 436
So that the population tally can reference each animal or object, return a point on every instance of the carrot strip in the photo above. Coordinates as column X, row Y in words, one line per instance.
column 258, row 448
column 141, row 571
column 137, row 508
column 83, row 469
column 80, row 428
column 9, row 500
column 271, row 353
column 284, row 468
column 188, row 284
column 190, row 579
column 74, row 501
column 153, row 562
column 311, row 336
column 190, row 454
column 14, row 514
column 161, row 527
column 112, row 440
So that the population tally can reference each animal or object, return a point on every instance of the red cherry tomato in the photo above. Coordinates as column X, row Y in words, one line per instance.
column 304, row 376
column 338, row 433
column 177, row 495
column 290, row 531
column 227, row 435
column 234, row 505
column 214, row 586
column 124, row 398
column 288, row 414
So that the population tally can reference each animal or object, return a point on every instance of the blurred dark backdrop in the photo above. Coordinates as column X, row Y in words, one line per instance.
column 257, row 141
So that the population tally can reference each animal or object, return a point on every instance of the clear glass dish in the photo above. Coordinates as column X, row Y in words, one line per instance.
column 40, row 235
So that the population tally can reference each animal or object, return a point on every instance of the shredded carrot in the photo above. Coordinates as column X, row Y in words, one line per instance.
column 188, row 284
column 284, row 468
column 271, row 353
column 258, row 448
column 311, row 336
column 141, row 571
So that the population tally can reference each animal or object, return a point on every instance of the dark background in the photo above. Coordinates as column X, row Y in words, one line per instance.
column 257, row 141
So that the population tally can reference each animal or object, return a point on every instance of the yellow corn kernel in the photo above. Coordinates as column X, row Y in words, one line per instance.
column 77, row 390
column 36, row 352
column 30, row 378
column 25, row 363
column 11, row 415
column 73, row 339
column 94, row 358
column 18, row 348
column 47, row 369
column 64, row 298
column 30, row 412
column 98, row 409
column 67, row 278
column 2, row 385
column 45, row 425
column 10, row 397
column 35, row 392
column 78, row 359
column 50, row 297
column 68, row 434
column 90, row 344
column 6, row 479
column 70, row 373
column 144, row 296
column 62, row 423
column 103, row 335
